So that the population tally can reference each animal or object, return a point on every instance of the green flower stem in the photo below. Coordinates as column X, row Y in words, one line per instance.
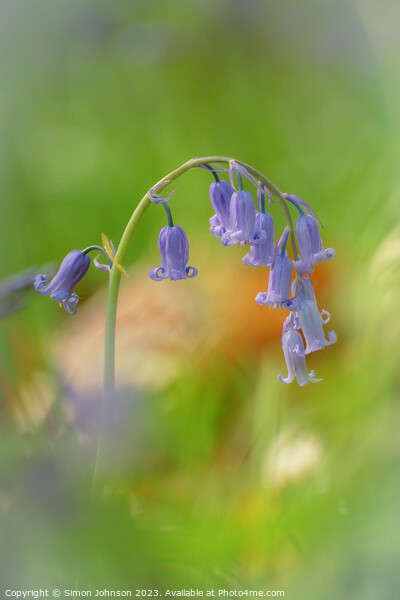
column 169, row 214
column 112, row 298
column 115, row 274
column 101, row 250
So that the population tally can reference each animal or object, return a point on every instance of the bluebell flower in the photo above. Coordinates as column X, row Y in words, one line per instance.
column 72, row 269
column 243, row 229
column 280, row 278
column 293, row 350
column 311, row 323
column 220, row 196
column 310, row 245
column 262, row 254
column 310, row 320
column 174, row 249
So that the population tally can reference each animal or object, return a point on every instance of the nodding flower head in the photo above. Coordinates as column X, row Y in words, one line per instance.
column 293, row 349
column 310, row 245
column 280, row 277
column 243, row 228
column 174, row 249
column 72, row 269
column 262, row 254
column 220, row 196
column 309, row 318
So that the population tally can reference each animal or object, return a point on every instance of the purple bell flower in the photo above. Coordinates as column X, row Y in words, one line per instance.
column 72, row 269
column 293, row 349
column 311, row 323
column 243, row 229
column 280, row 278
column 174, row 249
column 262, row 254
column 310, row 245
column 220, row 196
column 309, row 319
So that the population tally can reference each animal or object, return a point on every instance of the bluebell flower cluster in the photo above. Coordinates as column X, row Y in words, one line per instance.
column 237, row 221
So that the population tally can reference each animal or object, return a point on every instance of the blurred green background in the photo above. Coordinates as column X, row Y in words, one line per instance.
column 218, row 475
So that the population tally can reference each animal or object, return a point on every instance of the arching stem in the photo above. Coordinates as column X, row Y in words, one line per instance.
column 115, row 275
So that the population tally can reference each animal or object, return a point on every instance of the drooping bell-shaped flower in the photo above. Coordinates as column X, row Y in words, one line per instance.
column 293, row 350
column 311, row 323
column 220, row 196
column 280, row 278
column 72, row 269
column 243, row 228
column 174, row 248
column 262, row 254
column 310, row 245
column 310, row 320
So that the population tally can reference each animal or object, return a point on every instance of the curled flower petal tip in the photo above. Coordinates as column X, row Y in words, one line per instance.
column 174, row 249
column 324, row 255
column 72, row 269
